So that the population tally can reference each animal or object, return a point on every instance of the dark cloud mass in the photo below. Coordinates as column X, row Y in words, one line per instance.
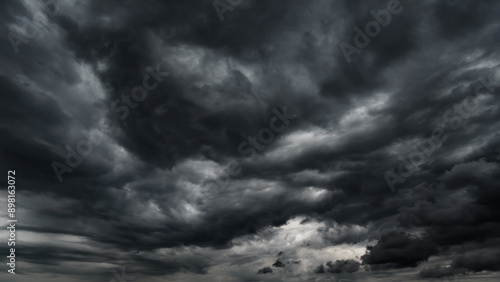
column 339, row 266
column 245, row 140
column 397, row 250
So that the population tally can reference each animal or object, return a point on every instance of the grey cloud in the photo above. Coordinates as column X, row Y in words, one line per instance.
column 144, row 188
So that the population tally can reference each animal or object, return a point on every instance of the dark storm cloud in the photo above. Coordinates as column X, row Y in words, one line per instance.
column 339, row 266
column 265, row 270
column 478, row 262
column 29, row 153
column 356, row 121
column 398, row 250
column 455, row 18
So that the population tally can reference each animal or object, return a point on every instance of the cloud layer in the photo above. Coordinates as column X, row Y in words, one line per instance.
column 156, row 137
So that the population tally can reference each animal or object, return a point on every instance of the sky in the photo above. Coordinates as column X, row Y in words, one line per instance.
column 250, row 140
